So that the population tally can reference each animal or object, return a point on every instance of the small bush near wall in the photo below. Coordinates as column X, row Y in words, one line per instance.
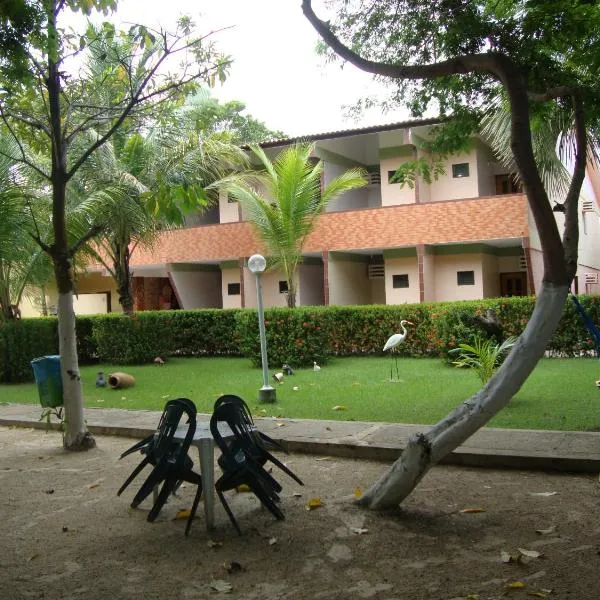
column 296, row 336
column 21, row 341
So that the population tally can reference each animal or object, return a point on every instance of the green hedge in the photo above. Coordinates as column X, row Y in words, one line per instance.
column 296, row 336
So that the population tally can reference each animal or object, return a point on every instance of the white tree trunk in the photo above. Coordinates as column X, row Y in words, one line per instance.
column 424, row 450
column 75, row 436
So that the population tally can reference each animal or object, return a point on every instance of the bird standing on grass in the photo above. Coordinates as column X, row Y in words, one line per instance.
column 316, row 367
column 393, row 341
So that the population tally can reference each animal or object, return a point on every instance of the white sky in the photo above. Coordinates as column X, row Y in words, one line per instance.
column 276, row 71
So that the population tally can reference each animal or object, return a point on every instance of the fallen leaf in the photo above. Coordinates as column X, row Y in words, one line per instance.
column 514, row 585
column 33, row 557
column 324, row 458
column 242, row 488
column 163, row 397
column 295, row 388
column 297, row 494
column 543, row 493
column 123, row 397
column 184, row 513
column 538, row 594
column 314, row 503
column 546, row 531
column 100, row 400
column 280, row 424
column 213, row 544
column 529, row 553
column 272, row 541
column 233, row 567
column 49, row 491
column 95, row 484
column 219, row 585
column 65, row 529
column 506, row 557
column 327, row 428
column 359, row 530
column 339, row 407
column 472, row 510
column 357, row 492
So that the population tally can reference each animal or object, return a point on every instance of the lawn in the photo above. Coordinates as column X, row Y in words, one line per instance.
column 560, row 394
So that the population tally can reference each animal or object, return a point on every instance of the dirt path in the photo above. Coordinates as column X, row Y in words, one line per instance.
column 67, row 535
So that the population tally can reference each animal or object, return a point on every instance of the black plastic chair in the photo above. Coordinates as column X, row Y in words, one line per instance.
column 243, row 458
column 169, row 458
column 257, row 441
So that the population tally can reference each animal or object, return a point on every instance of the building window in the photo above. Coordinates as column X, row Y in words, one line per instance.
column 390, row 176
column 233, row 289
column 400, row 281
column 465, row 277
column 283, row 287
column 460, row 170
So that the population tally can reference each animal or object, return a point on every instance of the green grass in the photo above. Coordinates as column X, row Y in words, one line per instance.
column 560, row 394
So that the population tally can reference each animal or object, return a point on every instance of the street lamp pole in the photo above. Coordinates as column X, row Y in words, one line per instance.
column 257, row 264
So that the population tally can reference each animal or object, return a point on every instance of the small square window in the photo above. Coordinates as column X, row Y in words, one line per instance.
column 390, row 175
column 465, row 277
column 400, row 281
column 233, row 289
column 460, row 170
column 283, row 287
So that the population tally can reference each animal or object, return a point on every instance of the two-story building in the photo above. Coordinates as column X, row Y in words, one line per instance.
column 468, row 234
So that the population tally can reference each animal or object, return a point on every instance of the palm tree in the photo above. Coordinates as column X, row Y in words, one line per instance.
column 141, row 185
column 22, row 262
column 283, row 201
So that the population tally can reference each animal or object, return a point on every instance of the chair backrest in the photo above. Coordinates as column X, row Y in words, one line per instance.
column 169, row 422
column 234, row 411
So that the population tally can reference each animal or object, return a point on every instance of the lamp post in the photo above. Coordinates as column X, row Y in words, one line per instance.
column 257, row 264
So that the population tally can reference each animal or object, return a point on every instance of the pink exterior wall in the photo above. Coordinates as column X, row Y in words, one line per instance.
column 406, row 265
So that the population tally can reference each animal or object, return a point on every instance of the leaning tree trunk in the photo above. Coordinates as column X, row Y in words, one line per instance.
column 424, row 450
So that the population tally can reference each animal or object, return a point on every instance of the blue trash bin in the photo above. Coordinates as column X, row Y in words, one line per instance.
column 46, row 371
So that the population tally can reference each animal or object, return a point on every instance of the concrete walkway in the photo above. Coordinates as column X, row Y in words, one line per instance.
column 515, row 448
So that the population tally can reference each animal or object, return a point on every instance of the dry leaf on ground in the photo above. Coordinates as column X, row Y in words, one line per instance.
column 546, row 531
column 515, row 585
column 184, row 513
column 314, row 503
column 545, row 494
column 219, row 585
column 474, row 509
column 339, row 407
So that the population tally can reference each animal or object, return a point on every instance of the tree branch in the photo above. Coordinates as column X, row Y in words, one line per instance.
column 481, row 63
column 93, row 232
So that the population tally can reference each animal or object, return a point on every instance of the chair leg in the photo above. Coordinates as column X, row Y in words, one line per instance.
column 133, row 475
column 157, row 475
column 285, row 469
column 268, row 502
column 193, row 511
column 228, row 510
column 163, row 496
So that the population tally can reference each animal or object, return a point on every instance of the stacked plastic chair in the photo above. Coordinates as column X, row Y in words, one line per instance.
column 244, row 456
column 169, row 459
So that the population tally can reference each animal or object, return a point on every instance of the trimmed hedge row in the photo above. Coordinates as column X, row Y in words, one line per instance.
column 297, row 336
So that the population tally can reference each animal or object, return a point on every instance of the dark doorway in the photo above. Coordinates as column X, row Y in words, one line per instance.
column 513, row 284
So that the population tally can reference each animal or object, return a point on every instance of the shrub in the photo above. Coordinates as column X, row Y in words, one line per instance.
column 132, row 340
column 21, row 341
column 295, row 336
column 484, row 356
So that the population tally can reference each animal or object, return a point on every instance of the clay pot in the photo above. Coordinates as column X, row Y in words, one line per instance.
column 120, row 380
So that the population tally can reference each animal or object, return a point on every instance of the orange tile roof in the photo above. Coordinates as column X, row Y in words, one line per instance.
column 457, row 221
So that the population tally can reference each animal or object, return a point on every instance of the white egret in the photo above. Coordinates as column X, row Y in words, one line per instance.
column 393, row 341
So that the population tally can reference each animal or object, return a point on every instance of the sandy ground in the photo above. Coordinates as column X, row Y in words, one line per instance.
column 67, row 535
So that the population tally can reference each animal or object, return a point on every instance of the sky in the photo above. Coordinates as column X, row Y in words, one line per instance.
column 276, row 71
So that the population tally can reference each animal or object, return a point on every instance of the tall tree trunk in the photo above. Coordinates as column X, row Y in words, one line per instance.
column 44, row 304
column 123, row 277
column 424, row 450
column 75, row 436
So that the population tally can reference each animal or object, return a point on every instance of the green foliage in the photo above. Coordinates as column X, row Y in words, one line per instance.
column 22, row 340
column 137, row 339
column 295, row 336
column 207, row 332
column 484, row 356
